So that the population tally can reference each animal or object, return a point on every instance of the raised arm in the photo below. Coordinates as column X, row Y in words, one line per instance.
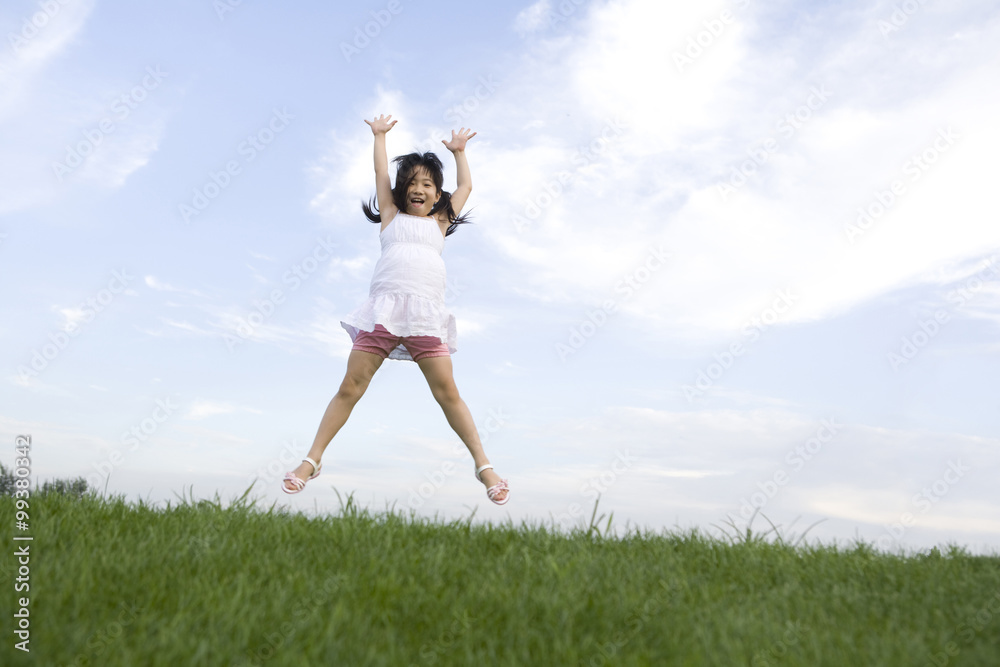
column 464, row 187
column 383, row 187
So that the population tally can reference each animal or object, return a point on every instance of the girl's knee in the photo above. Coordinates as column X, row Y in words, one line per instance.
column 447, row 394
column 352, row 389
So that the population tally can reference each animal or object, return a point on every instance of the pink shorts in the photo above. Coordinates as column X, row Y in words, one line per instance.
column 381, row 342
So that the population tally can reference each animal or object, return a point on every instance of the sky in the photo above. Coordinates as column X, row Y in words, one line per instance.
column 731, row 263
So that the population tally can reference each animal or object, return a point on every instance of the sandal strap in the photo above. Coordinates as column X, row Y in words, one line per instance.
column 495, row 490
column 314, row 464
column 297, row 482
column 482, row 468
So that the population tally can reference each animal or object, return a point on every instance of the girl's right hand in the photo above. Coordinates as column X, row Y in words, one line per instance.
column 381, row 125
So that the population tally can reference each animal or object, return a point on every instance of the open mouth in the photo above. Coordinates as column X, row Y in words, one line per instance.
column 416, row 202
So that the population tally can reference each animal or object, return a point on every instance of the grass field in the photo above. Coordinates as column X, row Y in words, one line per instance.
column 197, row 583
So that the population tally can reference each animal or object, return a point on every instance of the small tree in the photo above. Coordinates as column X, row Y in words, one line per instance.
column 7, row 480
column 72, row 487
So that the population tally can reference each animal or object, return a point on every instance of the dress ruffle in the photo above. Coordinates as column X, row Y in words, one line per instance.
column 403, row 315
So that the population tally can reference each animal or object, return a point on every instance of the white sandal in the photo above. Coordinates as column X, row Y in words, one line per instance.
column 297, row 482
column 496, row 489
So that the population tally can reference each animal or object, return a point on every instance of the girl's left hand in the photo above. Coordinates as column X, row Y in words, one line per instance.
column 457, row 142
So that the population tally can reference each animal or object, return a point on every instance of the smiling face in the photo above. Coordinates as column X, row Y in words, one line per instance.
column 422, row 194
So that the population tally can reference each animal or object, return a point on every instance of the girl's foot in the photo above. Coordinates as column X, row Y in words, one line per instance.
column 490, row 478
column 303, row 472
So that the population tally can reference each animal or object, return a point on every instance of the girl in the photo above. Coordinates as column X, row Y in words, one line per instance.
column 405, row 316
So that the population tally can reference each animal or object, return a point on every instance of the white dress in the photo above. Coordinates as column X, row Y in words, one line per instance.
column 408, row 287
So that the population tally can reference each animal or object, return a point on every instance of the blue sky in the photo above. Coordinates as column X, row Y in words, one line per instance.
column 725, row 256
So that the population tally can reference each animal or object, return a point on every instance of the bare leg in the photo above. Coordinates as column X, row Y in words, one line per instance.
column 361, row 367
column 440, row 378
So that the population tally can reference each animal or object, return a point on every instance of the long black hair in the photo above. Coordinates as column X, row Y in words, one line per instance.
column 406, row 166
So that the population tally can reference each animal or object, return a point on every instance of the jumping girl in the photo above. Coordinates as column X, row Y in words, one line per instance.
column 405, row 316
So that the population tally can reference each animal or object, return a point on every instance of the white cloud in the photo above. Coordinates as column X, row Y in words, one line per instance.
column 157, row 284
column 121, row 154
column 657, row 182
column 702, row 465
column 72, row 316
column 28, row 51
column 36, row 385
column 345, row 173
column 507, row 368
column 183, row 326
column 202, row 409
column 50, row 150
column 356, row 268
column 532, row 18
column 35, row 40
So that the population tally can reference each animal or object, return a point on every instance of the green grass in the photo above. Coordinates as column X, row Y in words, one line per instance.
column 119, row 583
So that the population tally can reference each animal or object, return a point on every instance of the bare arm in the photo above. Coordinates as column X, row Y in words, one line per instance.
column 383, row 187
column 464, row 187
